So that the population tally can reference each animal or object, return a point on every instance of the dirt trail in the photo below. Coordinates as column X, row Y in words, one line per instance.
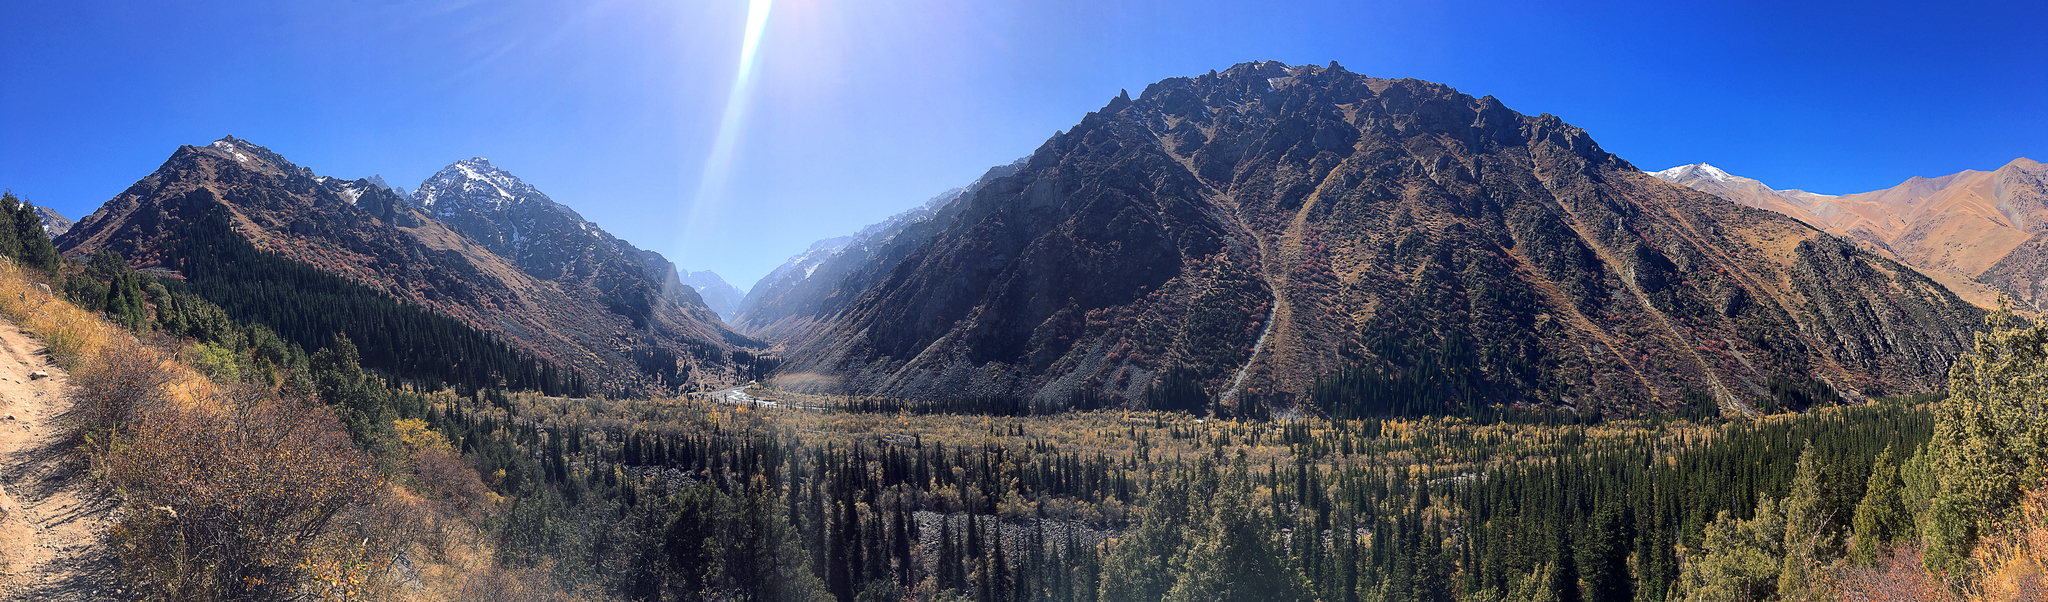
column 52, row 524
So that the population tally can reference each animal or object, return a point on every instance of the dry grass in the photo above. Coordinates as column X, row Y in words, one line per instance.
column 2013, row 562
column 1898, row 577
column 234, row 491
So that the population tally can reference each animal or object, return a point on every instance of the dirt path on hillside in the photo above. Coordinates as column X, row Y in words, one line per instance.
column 52, row 524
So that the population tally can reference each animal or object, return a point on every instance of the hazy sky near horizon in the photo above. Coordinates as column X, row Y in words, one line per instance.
column 857, row 109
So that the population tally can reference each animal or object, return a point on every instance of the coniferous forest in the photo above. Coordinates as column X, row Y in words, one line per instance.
column 306, row 307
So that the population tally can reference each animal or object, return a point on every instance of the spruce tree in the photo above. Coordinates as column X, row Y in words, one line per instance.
column 339, row 379
column 1564, row 574
column 1810, row 535
column 1881, row 516
column 1603, row 555
column 1234, row 557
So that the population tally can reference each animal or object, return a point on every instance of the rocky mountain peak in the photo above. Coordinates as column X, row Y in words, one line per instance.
column 569, row 293
column 474, row 185
column 549, row 241
column 247, row 153
column 53, row 223
column 1262, row 231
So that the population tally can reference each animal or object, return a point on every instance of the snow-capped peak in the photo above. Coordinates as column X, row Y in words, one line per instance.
column 227, row 144
column 474, row 181
column 1694, row 171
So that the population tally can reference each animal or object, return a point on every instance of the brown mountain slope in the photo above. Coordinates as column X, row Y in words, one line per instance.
column 1965, row 230
column 1264, row 227
column 372, row 236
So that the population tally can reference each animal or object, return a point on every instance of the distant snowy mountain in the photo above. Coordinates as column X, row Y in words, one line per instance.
column 1979, row 233
column 53, row 223
column 719, row 295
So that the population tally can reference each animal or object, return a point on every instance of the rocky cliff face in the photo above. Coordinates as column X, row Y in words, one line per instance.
column 593, row 315
column 1265, row 227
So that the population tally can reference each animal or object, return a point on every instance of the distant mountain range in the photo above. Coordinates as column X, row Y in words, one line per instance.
column 1981, row 233
column 826, row 278
column 1281, row 235
column 473, row 242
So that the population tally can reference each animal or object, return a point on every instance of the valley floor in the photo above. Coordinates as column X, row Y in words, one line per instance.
column 52, row 527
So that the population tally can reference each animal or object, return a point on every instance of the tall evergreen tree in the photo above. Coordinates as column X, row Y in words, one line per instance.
column 338, row 377
column 1881, row 516
column 1564, row 575
column 1990, row 438
column 1233, row 557
column 1603, row 555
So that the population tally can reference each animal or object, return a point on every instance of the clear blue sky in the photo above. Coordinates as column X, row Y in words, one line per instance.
column 857, row 109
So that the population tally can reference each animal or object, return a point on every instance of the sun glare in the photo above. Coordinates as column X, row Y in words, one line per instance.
column 711, row 183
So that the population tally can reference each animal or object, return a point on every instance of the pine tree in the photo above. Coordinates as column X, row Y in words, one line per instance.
column 338, row 377
column 1137, row 565
column 1988, row 439
column 1881, row 516
column 1234, row 557
column 767, row 561
column 1810, row 535
column 1604, row 555
column 1564, row 574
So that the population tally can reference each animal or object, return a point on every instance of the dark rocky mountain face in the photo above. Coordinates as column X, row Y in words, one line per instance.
column 1269, row 230
column 597, row 315
column 820, row 283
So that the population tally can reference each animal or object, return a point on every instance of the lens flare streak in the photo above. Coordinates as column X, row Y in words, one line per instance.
column 711, row 183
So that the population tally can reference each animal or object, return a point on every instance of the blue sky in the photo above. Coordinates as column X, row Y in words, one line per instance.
column 857, row 109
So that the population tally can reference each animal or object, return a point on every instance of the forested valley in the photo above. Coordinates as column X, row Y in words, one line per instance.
column 312, row 439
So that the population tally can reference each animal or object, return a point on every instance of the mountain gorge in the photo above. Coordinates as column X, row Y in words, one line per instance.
column 825, row 279
column 1280, row 235
column 518, row 266
column 1978, row 232
column 719, row 295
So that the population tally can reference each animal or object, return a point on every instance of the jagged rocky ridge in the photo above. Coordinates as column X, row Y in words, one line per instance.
column 593, row 314
column 1264, row 227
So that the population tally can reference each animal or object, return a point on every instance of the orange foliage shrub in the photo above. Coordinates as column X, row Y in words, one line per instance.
column 1896, row 578
column 240, row 500
column 112, row 393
